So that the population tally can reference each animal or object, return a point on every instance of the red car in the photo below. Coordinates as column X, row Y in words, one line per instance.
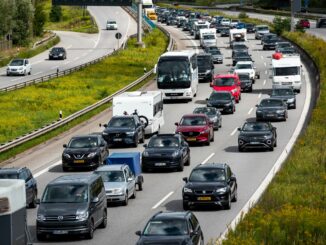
column 229, row 82
column 196, row 128
column 303, row 23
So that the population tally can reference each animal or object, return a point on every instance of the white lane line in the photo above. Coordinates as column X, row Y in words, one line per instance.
column 259, row 95
column 209, row 157
column 262, row 57
column 264, row 82
column 54, row 67
column 266, row 72
column 38, row 73
column 162, row 200
column 76, row 58
column 38, row 174
column 265, row 64
column 249, row 112
column 234, row 131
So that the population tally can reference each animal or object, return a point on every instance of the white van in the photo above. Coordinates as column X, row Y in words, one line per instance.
column 148, row 104
column 208, row 37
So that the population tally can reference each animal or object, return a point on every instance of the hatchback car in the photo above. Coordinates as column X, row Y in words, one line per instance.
column 246, row 82
column 213, row 114
column 257, row 135
column 19, row 67
column 217, row 55
column 111, row 25
column 87, row 151
column 172, row 228
column 271, row 109
column 166, row 151
column 30, row 183
column 196, row 128
column 210, row 183
column 229, row 82
column 303, row 23
column 286, row 94
column 222, row 100
column 58, row 53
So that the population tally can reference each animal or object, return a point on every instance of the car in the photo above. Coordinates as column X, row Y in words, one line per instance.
column 225, row 31
column 211, row 48
column 267, row 36
column 240, row 55
column 261, row 30
column 225, row 22
column 222, row 100
column 196, row 128
column 246, row 67
column 216, row 55
column 321, row 23
column 287, row 94
column 119, row 182
column 58, row 53
column 166, row 151
column 205, row 67
column 25, row 174
column 228, row 82
column 84, row 152
column 72, row 205
column 210, row 184
column 152, row 16
column 234, row 23
column 111, row 25
column 303, row 23
column 287, row 51
column 246, row 82
column 240, row 25
column 271, row 109
column 213, row 114
column 172, row 228
column 257, row 135
column 251, row 28
column 126, row 129
column 19, row 67
column 270, row 43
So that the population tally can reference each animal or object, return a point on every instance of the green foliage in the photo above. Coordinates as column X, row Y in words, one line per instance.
column 39, row 19
column 23, row 17
column 242, row 15
column 55, row 13
column 7, row 10
column 281, row 25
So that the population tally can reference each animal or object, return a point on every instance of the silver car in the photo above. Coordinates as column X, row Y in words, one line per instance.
column 119, row 182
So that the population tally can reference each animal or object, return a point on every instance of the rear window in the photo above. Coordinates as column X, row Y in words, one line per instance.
column 225, row 81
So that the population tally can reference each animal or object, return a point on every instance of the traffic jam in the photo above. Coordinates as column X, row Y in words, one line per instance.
column 98, row 175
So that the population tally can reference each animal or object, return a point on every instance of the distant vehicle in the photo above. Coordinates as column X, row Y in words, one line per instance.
column 111, row 25
column 127, row 129
column 58, row 53
column 261, row 30
column 267, row 36
column 251, row 28
column 208, row 37
column 152, row 16
column 225, row 22
column 238, row 35
column 271, row 109
column 196, row 128
column 303, row 23
column 246, row 82
column 30, row 183
column 270, row 43
column 225, row 32
column 171, row 228
column 240, row 25
column 229, row 82
column 240, row 55
column 200, row 24
column 19, row 67
column 210, row 184
column 86, row 151
column 281, row 45
column 287, row 51
column 213, row 114
column 217, row 56
column 234, row 23
column 246, row 67
column 236, row 46
column 286, row 94
column 119, row 183
column 72, row 204
column 321, row 23
column 222, row 100
column 166, row 151
column 257, row 135
column 205, row 67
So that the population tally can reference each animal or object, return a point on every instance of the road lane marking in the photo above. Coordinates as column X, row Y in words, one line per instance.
column 234, row 131
column 259, row 95
column 249, row 112
column 54, row 67
column 266, row 72
column 264, row 82
column 38, row 73
column 209, row 157
column 67, row 62
column 38, row 174
column 265, row 64
column 262, row 57
column 162, row 200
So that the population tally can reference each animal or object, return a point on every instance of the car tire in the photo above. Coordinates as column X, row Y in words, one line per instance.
column 136, row 142
column 185, row 206
column 105, row 219
column 213, row 138
column 208, row 142
column 140, row 186
column 295, row 106
column 40, row 237
column 65, row 169
column 188, row 161
column 250, row 90
column 30, row 72
column 227, row 206
column 235, row 197
column 134, row 193
column 275, row 143
column 271, row 148
column 33, row 204
column 90, row 233
column 125, row 202
column 240, row 149
column 180, row 167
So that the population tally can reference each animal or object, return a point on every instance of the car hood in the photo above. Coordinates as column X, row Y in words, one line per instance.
column 118, row 130
column 254, row 133
column 114, row 185
column 205, row 185
column 191, row 128
column 61, row 209
column 15, row 67
column 164, row 240
column 203, row 69
column 79, row 151
column 224, row 88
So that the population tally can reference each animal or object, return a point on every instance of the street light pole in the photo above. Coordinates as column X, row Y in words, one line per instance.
column 139, row 22
column 292, row 16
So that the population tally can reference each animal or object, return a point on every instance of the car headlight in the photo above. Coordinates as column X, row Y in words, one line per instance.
column 228, row 104
column 92, row 154
column 145, row 154
column 40, row 217
column 118, row 191
column 269, row 136
column 187, row 190
column 66, row 155
column 259, row 111
column 21, row 68
column 234, row 90
column 60, row 54
column 209, row 104
column 291, row 100
column 130, row 133
column 214, row 119
column 280, row 111
column 82, row 215
column 175, row 154
column 208, row 71
column 221, row 190
column 297, row 82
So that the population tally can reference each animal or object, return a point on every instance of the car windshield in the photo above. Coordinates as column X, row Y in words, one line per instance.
column 120, row 122
column 280, row 92
column 220, row 96
column 262, row 28
column 57, row 50
column 112, row 22
column 255, row 127
column 111, row 176
column 163, row 142
column 166, row 227
column 240, row 46
column 243, row 66
column 215, row 52
column 84, row 142
column 209, row 37
column 193, row 121
column 204, row 61
column 65, row 194
column 241, row 54
column 224, row 81
column 17, row 63
column 207, row 175
column 8, row 176
column 287, row 71
column 209, row 111
column 271, row 103
column 284, row 45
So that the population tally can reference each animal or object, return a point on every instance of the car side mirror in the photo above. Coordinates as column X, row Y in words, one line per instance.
column 95, row 200
column 145, row 145
column 130, row 179
column 239, row 129
column 185, row 179
column 102, row 145
column 176, row 124
column 138, row 233
column 38, row 201
column 256, row 105
column 194, row 233
column 105, row 125
column 206, row 99
column 232, row 178
column 64, row 145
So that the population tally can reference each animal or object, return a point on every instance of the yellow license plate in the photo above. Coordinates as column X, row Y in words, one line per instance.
column 191, row 139
column 204, row 198
column 79, row 161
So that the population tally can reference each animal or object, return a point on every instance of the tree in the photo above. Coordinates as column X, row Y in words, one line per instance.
column 7, row 10
column 23, row 16
column 281, row 25
column 39, row 19
column 56, row 13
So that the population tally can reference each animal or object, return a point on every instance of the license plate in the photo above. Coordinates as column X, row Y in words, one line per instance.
column 58, row 232
column 117, row 139
column 270, row 115
column 79, row 161
column 204, row 198
column 254, row 143
column 160, row 164
column 191, row 138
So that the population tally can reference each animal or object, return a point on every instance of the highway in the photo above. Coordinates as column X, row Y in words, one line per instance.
column 162, row 191
column 80, row 47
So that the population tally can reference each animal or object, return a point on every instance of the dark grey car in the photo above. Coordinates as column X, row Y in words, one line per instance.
column 246, row 82
column 222, row 100
column 287, row 95
column 213, row 114
column 271, row 109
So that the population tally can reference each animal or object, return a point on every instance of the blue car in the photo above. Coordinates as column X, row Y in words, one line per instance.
column 240, row 25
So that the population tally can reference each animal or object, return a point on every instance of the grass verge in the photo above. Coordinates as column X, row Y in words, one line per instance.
column 32, row 107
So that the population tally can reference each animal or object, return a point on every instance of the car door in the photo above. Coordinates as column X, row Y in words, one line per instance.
column 28, row 185
column 195, row 231
column 103, row 148
column 185, row 150
column 95, row 207
column 230, row 181
column 130, row 178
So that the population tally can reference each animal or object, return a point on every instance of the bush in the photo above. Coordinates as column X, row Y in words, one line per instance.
column 56, row 13
column 243, row 15
column 281, row 25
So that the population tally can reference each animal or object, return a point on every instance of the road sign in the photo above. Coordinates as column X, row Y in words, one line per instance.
column 93, row 2
column 118, row 35
column 296, row 5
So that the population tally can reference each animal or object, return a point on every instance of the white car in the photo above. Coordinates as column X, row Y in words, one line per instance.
column 19, row 67
column 246, row 67
column 111, row 25
column 233, row 23
column 225, row 22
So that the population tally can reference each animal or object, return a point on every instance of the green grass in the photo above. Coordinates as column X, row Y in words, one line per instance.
column 32, row 107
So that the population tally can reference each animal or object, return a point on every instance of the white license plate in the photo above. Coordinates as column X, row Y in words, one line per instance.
column 59, row 232
column 160, row 164
column 117, row 140
column 254, row 143
column 270, row 115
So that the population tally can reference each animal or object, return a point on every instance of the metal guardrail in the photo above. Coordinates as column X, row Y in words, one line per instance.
column 56, row 124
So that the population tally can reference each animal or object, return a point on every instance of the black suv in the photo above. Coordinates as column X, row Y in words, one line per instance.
column 205, row 67
column 246, row 82
column 222, row 100
column 270, row 43
column 128, row 129
column 286, row 94
column 257, row 135
column 72, row 204
column 210, row 183
column 172, row 228
column 57, row 53
column 166, row 151
column 271, row 109
column 87, row 151
column 30, row 183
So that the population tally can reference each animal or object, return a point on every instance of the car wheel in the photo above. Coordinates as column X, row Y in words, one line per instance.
column 32, row 204
column 208, row 142
column 125, row 202
column 136, row 142
column 105, row 219
column 240, row 149
column 90, row 233
column 25, row 73
column 250, row 90
column 228, row 204
column 271, row 148
column 188, row 161
column 235, row 197
column 220, row 126
column 212, row 140
column 181, row 167
column 40, row 236
column 275, row 143
column 134, row 193
column 185, row 205
column 237, row 101
column 140, row 186
column 65, row 169
column 295, row 106
column 30, row 72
